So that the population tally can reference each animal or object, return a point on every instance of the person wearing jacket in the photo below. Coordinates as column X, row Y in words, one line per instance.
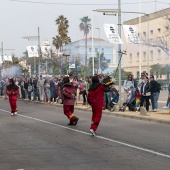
column 145, row 89
column 154, row 93
column 96, row 101
column 69, row 97
column 12, row 91
column 168, row 100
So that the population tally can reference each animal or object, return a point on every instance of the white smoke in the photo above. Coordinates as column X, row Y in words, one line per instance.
column 13, row 71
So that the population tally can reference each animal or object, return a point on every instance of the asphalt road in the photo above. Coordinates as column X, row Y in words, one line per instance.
column 39, row 138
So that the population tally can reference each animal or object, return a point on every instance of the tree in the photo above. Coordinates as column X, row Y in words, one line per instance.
column 124, row 75
column 63, row 26
column 62, row 38
column 85, row 26
column 103, row 64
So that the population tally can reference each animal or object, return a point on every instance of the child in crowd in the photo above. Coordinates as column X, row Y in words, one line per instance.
column 29, row 91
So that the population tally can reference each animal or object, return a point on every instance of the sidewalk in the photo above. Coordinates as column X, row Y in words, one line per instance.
column 161, row 116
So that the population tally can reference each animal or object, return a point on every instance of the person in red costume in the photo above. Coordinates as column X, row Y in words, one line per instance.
column 12, row 91
column 96, row 100
column 69, row 97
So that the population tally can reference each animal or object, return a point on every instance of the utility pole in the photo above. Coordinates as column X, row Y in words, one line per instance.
column 39, row 52
column 99, row 52
column 119, row 47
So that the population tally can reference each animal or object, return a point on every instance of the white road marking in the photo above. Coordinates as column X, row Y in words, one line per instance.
column 100, row 137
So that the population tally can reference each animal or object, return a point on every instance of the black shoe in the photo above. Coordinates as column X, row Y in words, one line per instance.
column 75, row 121
column 70, row 124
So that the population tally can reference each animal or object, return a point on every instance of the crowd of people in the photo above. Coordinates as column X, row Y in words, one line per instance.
column 49, row 89
column 147, row 91
column 97, row 91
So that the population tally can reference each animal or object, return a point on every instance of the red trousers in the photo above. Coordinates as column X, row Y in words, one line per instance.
column 68, row 111
column 13, row 104
column 96, row 117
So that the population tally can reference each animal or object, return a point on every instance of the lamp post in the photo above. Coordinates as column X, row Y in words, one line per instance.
column 99, row 52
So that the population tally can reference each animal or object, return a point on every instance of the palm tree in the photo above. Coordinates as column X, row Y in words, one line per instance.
column 85, row 26
column 63, row 26
column 57, row 42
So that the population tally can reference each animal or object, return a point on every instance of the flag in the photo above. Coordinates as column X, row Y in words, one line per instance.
column 137, row 101
column 46, row 52
column 131, row 33
column 32, row 51
column 112, row 34
column 7, row 58
column 1, row 60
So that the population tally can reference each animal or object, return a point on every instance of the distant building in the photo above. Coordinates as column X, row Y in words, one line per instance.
column 77, row 51
column 151, row 25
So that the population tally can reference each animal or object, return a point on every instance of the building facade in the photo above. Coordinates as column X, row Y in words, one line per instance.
column 77, row 50
column 140, row 57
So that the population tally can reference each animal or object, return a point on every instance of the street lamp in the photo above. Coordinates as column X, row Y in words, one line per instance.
column 99, row 52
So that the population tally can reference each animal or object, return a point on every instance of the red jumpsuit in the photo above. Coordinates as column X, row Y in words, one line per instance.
column 69, row 97
column 12, row 91
column 96, row 100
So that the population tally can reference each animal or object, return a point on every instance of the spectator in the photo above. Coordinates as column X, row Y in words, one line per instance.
column 82, row 91
column 26, row 87
column 145, row 93
column 134, row 81
column 107, row 95
column 154, row 93
column 35, row 89
column 128, row 83
column 41, row 88
column 168, row 100
column 30, row 89
column 53, row 94
column 141, row 80
column 115, row 95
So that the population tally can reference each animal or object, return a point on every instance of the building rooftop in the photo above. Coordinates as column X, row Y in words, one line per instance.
column 148, row 17
column 90, row 39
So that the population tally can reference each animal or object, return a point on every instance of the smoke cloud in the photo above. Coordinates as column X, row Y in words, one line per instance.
column 13, row 71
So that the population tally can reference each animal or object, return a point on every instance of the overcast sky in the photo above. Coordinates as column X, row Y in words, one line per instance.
column 19, row 18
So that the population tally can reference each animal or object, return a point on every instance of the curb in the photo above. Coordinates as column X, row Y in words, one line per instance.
column 139, row 117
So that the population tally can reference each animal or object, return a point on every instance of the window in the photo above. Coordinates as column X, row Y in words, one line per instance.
column 96, row 50
column 159, row 30
column 151, row 55
column 130, row 57
column 151, row 32
column 102, row 50
column 159, row 54
column 144, row 56
column 137, row 57
column 144, row 33
column 90, row 50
